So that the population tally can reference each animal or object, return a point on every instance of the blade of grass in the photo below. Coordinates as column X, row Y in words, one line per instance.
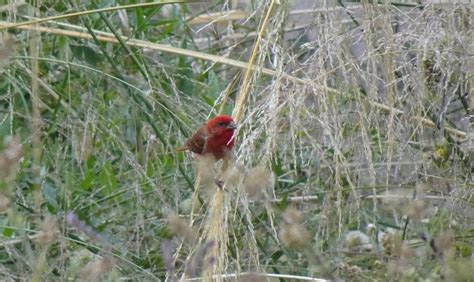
column 108, row 9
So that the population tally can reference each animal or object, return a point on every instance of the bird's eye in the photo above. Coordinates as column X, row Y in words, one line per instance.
column 221, row 123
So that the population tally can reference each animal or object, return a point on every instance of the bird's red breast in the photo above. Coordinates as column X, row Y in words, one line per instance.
column 216, row 137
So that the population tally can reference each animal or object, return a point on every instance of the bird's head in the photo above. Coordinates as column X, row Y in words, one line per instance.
column 221, row 124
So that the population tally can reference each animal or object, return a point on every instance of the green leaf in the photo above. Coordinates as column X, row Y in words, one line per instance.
column 86, row 183
column 86, row 53
column 50, row 195
column 389, row 224
column 276, row 255
column 7, row 232
column 283, row 203
column 107, row 177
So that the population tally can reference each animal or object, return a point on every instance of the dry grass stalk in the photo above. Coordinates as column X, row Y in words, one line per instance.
column 244, row 90
column 217, row 231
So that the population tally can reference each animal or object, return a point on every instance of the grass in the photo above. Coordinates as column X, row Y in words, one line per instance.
column 353, row 157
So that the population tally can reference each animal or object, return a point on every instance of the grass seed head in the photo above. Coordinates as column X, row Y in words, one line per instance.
column 95, row 269
column 206, row 171
column 390, row 242
column 205, row 166
column 443, row 243
column 402, row 266
column 257, row 181
column 180, row 227
column 232, row 176
column 292, row 232
column 4, row 202
column 357, row 241
column 10, row 156
column 48, row 231
column 352, row 271
column 292, row 216
column 416, row 209
column 190, row 204
column 294, row 236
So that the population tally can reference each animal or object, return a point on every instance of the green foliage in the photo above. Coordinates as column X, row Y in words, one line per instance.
column 90, row 193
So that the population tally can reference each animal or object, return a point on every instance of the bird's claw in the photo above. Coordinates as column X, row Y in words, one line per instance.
column 220, row 184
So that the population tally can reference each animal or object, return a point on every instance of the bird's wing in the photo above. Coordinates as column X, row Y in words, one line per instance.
column 197, row 142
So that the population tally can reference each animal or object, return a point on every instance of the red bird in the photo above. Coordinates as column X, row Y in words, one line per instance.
column 216, row 137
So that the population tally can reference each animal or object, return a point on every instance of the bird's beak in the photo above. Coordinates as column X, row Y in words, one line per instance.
column 232, row 125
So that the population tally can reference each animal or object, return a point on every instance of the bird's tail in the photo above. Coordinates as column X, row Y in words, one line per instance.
column 182, row 148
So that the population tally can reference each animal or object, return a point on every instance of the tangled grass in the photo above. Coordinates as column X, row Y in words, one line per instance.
column 354, row 148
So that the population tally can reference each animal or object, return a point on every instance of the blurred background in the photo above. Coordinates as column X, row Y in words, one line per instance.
column 353, row 158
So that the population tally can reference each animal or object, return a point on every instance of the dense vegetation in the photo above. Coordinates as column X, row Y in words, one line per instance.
column 353, row 157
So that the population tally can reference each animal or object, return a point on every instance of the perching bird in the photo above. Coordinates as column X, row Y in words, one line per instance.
column 216, row 137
